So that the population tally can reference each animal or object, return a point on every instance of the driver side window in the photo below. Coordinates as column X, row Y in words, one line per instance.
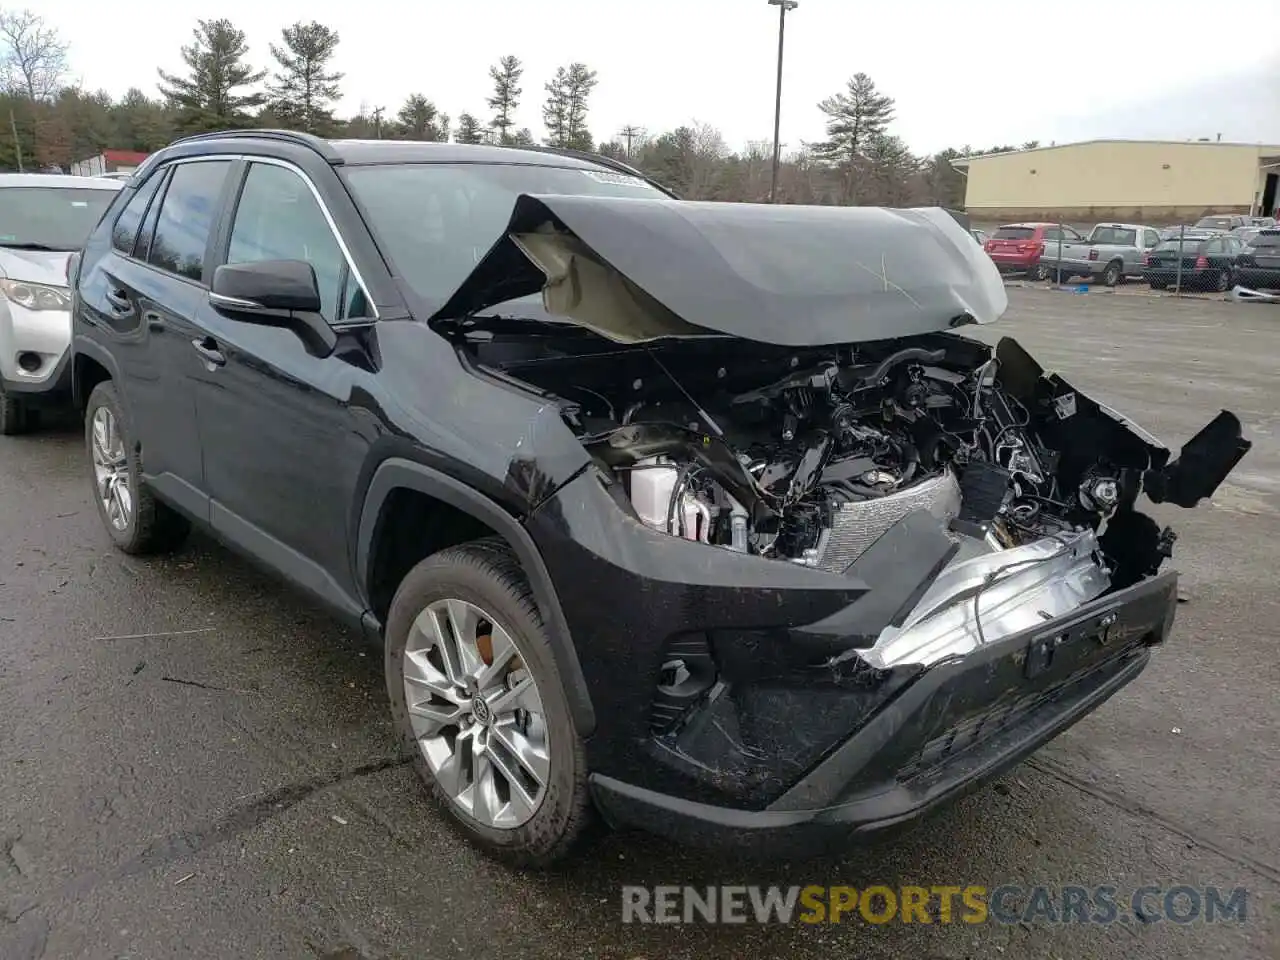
column 278, row 218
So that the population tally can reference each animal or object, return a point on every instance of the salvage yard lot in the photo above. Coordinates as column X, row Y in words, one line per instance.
column 234, row 790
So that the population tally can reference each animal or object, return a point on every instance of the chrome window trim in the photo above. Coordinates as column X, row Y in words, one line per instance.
column 315, row 193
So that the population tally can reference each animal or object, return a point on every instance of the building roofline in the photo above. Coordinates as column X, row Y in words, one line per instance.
column 1260, row 145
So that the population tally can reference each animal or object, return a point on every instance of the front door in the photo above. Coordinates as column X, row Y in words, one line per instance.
column 282, row 446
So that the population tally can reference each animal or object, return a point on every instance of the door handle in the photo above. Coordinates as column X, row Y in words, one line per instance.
column 118, row 299
column 207, row 347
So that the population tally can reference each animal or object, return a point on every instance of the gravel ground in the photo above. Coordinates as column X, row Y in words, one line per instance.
column 234, row 790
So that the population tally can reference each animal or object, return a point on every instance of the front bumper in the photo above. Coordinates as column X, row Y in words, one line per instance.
column 952, row 728
column 44, row 335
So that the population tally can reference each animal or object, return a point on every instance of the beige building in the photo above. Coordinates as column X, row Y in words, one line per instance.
column 1143, row 180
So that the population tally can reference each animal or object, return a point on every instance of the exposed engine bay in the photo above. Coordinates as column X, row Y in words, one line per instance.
column 808, row 456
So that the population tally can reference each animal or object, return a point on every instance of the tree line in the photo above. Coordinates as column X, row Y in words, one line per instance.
column 51, row 123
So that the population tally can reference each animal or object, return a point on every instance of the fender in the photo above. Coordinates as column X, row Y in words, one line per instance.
column 82, row 345
column 398, row 473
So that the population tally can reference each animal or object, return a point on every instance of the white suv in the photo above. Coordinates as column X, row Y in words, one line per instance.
column 44, row 218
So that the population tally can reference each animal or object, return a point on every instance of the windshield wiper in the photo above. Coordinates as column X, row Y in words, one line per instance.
column 24, row 245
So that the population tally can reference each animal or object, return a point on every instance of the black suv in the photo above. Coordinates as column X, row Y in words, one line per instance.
column 696, row 516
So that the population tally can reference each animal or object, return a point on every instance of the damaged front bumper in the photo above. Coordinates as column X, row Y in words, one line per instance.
column 751, row 701
column 946, row 730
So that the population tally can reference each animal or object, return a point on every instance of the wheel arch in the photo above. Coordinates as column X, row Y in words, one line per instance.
column 90, row 365
column 397, row 475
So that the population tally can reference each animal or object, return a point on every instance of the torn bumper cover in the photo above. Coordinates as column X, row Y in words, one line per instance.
column 943, row 732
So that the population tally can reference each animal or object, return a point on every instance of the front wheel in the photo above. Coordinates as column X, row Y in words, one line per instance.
column 480, row 706
column 136, row 521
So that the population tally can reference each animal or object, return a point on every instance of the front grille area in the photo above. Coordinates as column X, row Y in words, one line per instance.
column 1030, row 710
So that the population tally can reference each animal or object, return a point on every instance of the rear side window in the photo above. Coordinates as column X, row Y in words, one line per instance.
column 186, row 217
column 125, row 233
column 1014, row 233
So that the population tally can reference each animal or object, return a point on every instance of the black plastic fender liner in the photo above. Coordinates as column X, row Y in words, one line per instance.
column 396, row 473
column 84, row 346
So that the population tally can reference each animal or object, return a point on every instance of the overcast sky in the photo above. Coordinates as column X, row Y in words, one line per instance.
column 981, row 72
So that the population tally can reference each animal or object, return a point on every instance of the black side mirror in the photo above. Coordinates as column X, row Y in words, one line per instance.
column 278, row 293
column 267, row 285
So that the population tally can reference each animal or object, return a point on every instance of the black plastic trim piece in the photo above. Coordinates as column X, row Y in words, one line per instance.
column 397, row 473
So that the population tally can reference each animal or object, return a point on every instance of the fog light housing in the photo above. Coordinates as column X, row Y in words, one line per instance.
column 29, row 361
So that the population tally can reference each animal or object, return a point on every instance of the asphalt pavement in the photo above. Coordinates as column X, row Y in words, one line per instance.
column 231, row 788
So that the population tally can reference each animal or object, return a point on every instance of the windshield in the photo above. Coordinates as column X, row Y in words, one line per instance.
column 56, row 218
column 1014, row 233
column 436, row 221
column 1116, row 235
column 1216, row 223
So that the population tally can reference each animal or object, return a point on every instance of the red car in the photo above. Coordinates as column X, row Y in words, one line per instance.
column 1016, row 247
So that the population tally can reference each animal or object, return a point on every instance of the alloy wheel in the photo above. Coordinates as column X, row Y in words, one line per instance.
column 476, row 713
column 111, row 469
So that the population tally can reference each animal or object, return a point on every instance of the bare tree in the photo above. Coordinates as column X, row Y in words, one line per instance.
column 32, row 55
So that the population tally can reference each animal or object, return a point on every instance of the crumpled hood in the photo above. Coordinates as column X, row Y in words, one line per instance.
column 35, row 266
column 640, row 269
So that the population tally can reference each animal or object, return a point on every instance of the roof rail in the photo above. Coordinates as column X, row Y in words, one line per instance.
column 309, row 140
column 596, row 158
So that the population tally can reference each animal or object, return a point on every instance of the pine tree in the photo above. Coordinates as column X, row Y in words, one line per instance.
column 305, row 89
column 506, row 96
column 854, row 119
column 565, row 110
column 469, row 130
column 206, row 99
column 419, row 119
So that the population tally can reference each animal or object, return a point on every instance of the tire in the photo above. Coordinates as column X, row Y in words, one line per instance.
column 1113, row 274
column 149, row 526
column 1159, row 285
column 1222, row 280
column 1039, row 272
column 15, row 416
column 486, row 576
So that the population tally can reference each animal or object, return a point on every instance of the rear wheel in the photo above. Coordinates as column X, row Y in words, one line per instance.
column 1222, row 280
column 15, row 416
column 136, row 521
column 479, row 705
column 1039, row 272
column 1112, row 274
column 1159, row 285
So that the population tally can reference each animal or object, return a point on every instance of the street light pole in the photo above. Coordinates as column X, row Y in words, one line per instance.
column 783, row 6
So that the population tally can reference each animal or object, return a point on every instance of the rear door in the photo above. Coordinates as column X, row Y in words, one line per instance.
column 148, row 296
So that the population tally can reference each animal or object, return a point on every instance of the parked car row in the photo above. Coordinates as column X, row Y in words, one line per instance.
column 1216, row 252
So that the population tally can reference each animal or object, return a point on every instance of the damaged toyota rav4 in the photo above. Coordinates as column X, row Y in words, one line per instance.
column 701, row 518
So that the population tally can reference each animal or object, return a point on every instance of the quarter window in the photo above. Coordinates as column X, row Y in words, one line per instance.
column 1150, row 238
column 125, row 233
column 186, row 217
column 278, row 218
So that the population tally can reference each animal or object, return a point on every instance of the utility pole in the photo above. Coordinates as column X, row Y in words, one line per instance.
column 377, row 121
column 629, row 133
column 783, row 6
column 17, row 144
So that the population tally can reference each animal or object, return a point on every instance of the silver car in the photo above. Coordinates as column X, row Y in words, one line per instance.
column 44, row 218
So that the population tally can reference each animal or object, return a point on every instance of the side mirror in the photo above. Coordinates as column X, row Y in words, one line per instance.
column 277, row 293
column 267, row 285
